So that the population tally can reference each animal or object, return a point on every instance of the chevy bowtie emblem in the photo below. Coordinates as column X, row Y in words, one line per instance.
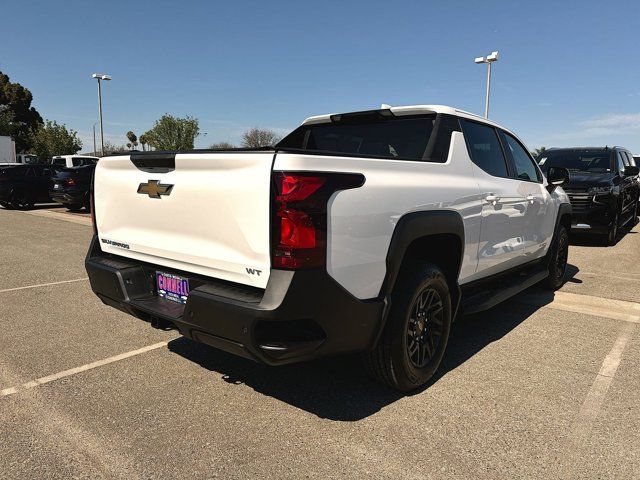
column 154, row 189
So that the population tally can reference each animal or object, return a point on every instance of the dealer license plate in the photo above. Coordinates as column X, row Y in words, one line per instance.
column 172, row 287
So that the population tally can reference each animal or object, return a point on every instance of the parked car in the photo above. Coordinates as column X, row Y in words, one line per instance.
column 27, row 158
column 70, row 187
column 69, row 161
column 22, row 186
column 359, row 232
column 603, row 189
column 636, row 158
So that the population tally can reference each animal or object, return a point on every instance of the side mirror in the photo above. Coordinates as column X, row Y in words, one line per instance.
column 631, row 171
column 557, row 177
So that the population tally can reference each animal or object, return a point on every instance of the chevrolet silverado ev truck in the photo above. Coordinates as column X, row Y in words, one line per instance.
column 359, row 232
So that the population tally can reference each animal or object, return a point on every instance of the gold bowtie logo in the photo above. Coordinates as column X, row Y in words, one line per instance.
column 154, row 189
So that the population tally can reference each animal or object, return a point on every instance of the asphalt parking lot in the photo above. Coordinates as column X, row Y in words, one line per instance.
column 544, row 386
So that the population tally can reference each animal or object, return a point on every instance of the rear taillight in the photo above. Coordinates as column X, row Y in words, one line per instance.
column 299, row 226
column 71, row 182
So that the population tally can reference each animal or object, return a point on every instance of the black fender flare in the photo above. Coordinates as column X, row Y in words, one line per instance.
column 413, row 226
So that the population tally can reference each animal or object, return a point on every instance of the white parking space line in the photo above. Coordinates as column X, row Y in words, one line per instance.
column 74, row 371
column 593, row 402
column 628, row 276
column 587, row 304
column 43, row 285
column 64, row 216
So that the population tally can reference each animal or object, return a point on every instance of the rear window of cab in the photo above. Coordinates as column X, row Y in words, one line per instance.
column 377, row 134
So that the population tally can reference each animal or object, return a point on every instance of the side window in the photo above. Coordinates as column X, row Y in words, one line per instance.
column 525, row 167
column 619, row 162
column 484, row 148
column 77, row 161
column 629, row 162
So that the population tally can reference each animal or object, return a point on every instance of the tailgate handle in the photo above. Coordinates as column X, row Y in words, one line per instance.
column 154, row 162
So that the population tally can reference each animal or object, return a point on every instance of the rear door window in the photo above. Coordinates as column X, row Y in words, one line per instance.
column 484, row 148
column 59, row 161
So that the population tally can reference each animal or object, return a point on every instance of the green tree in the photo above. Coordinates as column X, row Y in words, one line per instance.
column 6, row 121
column 222, row 146
column 53, row 139
column 133, row 140
column 538, row 152
column 110, row 148
column 173, row 133
column 259, row 137
column 144, row 141
column 16, row 100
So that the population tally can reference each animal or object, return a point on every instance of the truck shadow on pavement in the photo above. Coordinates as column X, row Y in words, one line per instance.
column 338, row 388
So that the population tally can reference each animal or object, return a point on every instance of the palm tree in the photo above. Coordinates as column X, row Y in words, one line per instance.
column 133, row 139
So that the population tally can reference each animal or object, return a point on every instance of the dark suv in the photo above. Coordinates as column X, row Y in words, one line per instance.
column 71, row 187
column 603, row 188
column 21, row 186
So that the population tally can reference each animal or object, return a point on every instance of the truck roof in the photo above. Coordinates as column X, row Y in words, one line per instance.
column 409, row 110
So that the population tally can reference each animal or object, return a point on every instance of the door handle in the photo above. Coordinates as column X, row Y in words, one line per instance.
column 530, row 198
column 492, row 198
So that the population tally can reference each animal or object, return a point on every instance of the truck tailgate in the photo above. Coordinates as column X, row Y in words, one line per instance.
column 213, row 220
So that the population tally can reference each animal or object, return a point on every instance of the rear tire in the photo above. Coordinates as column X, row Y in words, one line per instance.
column 559, row 258
column 21, row 201
column 415, row 336
column 74, row 208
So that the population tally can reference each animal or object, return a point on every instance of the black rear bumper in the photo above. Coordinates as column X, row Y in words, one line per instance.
column 67, row 198
column 300, row 315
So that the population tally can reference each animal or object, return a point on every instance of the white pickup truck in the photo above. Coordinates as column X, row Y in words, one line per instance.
column 359, row 232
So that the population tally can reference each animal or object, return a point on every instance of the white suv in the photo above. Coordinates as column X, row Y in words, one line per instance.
column 69, row 161
column 359, row 232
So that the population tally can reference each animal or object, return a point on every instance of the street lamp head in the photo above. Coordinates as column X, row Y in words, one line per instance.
column 101, row 76
column 479, row 60
column 493, row 57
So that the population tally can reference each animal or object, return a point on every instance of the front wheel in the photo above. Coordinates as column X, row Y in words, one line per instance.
column 559, row 259
column 415, row 337
column 612, row 235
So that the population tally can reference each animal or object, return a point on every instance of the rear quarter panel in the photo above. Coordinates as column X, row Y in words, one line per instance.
column 361, row 221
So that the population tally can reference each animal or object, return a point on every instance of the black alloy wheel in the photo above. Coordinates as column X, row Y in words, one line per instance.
column 417, row 329
column 425, row 327
column 612, row 236
column 559, row 260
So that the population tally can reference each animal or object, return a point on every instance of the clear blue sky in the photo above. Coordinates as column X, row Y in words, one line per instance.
column 569, row 72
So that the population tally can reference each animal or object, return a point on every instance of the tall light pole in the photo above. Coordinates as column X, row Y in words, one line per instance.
column 100, row 77
column 489, row 59
column 94, row 138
